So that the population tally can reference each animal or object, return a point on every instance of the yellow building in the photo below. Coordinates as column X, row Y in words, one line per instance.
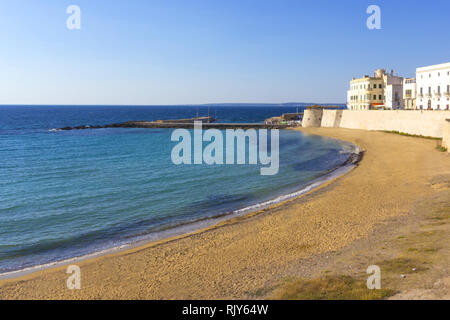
column 367, row 92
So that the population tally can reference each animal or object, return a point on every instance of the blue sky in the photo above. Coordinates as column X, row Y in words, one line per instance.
column 209, row 51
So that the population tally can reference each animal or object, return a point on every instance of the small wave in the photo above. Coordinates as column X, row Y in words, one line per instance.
column 28, row 270
column 325, row 178
column 348, row 148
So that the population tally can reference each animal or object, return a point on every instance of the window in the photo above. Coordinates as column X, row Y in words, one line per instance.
column 448, row 88
column 439, row 89
column 380, row 86
column 429, row 90
column 379, row 97
column 374, row 97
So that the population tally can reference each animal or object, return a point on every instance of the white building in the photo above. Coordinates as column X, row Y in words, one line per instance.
column 394, row 96
column 433, row 87
column 409, row 93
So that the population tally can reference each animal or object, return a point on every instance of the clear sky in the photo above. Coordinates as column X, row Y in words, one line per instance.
column 209, row 51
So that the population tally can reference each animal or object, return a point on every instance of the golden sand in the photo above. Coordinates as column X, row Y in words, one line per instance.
column 243, row 255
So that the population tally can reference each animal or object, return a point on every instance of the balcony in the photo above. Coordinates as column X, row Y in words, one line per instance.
column 437, row 94
column 420, row 95
column 447, row 94
column 428, row 95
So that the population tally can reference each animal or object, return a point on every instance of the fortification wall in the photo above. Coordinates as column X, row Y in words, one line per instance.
column 312, row 118
column 446, row 135
column 425, row 123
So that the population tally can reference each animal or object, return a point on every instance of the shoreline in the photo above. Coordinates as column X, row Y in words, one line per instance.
column 205, row 224
column 246, row 254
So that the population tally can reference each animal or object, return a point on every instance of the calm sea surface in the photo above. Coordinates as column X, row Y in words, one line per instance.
column 69, row 193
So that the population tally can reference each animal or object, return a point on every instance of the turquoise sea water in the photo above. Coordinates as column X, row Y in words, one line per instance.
column 69, row 193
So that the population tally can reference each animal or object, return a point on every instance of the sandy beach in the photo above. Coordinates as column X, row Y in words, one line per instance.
column 241, row 256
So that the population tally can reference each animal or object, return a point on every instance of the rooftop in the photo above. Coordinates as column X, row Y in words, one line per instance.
column 433, row 67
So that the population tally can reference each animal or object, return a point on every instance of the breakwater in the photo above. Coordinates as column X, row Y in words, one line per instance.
column 176, row 124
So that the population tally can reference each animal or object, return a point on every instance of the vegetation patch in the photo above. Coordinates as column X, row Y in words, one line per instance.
column 336, row 287
column 440, row 218
column 261, row 292
column 430, row 250
column 402, row 265
column 411, row 135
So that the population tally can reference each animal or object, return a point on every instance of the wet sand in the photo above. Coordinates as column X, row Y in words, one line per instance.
column 243, row 255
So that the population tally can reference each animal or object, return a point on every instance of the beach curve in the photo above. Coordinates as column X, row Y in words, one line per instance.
column 230, row 261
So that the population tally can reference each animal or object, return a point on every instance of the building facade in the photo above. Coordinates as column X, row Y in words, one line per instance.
column 433, row 87
column 393, row 91
column 382, row 91
column 365, row 92
column 409, row 93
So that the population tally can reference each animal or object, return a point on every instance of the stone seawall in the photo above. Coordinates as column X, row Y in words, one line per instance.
column 446, row 135
column 425, row 123
column 312, row 118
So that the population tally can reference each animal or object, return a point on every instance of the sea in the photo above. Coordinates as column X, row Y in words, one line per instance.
column 69, row 194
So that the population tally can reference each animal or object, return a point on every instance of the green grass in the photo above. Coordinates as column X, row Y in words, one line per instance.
column 440, row 218
column 261, row 292
column 430, row 250
column 337, row 287
column 441, row 148
column 411, row 135
column 401, row 265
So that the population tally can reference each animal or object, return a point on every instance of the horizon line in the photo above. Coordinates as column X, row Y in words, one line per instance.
column 170, row 105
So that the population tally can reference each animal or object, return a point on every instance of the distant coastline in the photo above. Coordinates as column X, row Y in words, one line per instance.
column 249, row 104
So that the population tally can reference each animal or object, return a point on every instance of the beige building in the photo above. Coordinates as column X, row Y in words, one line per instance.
column 382, row 91
column 367, row 92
